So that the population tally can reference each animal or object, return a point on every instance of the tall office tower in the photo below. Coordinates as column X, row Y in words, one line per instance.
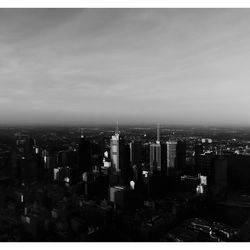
column 84, row 155
column 221, row 172
column 114, row 150
column 125, row 167
column 164, row 158
column 97, row 155
column 171, row 154
column 155, row 153
column 135, row 153
column 180, row 155
column 205, row 166
column 120, row 158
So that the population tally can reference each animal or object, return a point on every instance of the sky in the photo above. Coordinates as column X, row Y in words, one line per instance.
column 97, row 66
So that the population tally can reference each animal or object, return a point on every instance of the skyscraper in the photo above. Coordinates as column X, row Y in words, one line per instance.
column 120, row 158
column 155, row 157
column 114, row 150
column 171, row 154
column 84, row 155
column 155, row 153
column 205, row 165
column 135, row 153
column 180, row 155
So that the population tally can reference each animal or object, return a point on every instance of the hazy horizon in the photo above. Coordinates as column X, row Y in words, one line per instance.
column 138, row 66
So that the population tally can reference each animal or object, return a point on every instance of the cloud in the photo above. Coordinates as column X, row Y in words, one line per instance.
column 96, row 65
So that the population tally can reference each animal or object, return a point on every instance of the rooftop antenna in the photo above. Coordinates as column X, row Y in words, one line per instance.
column 158, row 134
column 117, row 130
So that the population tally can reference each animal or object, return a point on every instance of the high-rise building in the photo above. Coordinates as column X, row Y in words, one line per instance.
column 164, row 158
column 114, row 150
column 126, row 169
column 171, row 154
column 220, row 171
column 238, row 170
column 135, row 153
column 205, row 166
column 181, row 155
column 155, row 157
column 84, row 155
column 120, row 158
column 155, row 153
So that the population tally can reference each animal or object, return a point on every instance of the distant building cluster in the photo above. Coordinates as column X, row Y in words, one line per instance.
column 129, row 185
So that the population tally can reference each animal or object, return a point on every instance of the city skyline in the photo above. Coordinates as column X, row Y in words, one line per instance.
column 175, row 66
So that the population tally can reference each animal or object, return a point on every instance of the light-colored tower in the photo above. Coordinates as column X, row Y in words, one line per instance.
column 114, row 149
column 155, row 153
column 155, row 157
column 171, row 153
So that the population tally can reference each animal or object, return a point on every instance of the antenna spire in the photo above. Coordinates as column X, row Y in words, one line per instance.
column 158, row 133
column 117, row 130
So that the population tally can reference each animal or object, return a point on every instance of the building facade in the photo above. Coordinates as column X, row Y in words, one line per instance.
column 171, row 154
column 155, row 157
